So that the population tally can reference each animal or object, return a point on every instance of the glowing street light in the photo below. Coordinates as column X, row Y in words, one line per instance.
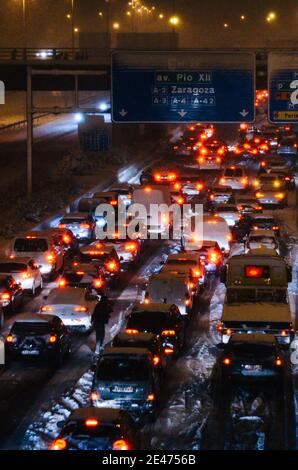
column 161, row 16
column 76, row 30
column 68, row 16
column 226, row 25
column 174, row 20
column 100, row 13
column 116, row 25
column 242, row 17
column 271, row 17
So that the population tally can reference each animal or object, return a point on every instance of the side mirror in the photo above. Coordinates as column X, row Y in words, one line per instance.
column 223, row 274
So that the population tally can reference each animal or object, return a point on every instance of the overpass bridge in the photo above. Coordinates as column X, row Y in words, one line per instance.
column 14, row 63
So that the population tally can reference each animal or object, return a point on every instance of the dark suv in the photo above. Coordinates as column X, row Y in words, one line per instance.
column 253, row 356
column 127, row 377
column 33, row 335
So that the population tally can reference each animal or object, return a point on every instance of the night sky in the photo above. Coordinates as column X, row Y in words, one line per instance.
column 201, row 21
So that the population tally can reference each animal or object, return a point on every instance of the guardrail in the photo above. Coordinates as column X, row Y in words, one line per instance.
column 23, row 123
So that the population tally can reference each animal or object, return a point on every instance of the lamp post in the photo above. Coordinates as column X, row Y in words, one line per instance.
column 24, row 24
column 72, row 27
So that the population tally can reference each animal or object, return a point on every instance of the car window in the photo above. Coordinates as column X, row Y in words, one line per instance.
column 233, row 173
column 153, row 322
column 123, row 369
column 12, row 267
column 31, row 328
column 31, row 245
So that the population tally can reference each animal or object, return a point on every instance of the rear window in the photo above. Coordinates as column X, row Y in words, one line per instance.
column 253, row 350
column 72, row 220
column 31, row 328
column 31, row 245
column 128, row 369
column 181, row 262
column 261, row 239
column 263, row 221
column 152, row 322
column 12, row 267
column 234, row 173
column 75, row 431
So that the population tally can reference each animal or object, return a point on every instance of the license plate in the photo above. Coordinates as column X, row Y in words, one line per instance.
column 253, row 368
column 122, row 389
column 30, row 353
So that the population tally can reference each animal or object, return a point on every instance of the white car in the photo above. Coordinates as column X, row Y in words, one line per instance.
column 72, row 305
column 41, row 247
column 267, row 195
column 221, row 195
column 81, row 224
column 209, row 162
column 277, row 164
column 248, row 205
column 215, row 229
column 262, row 239
column 235, row 178
column 229, row 212
column 25, row 271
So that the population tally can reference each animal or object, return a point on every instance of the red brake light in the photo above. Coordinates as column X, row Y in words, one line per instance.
column 98, row 282
column 150, row 397
column 10, row 339
column 278, row 362
column 122, row 444
column 168, row 351
column 156, row 360
column 62, row 282
column 254, row 271
column 91, row 422
column 94, row 395
column 226, row 361
column 114, row 202
column 131, row 331
column 112, row 266
column 53, row 339
column 6, row 296
column 86, row 226
column 168, row 333
column 131, row 246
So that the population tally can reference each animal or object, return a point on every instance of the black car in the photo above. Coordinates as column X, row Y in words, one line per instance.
column 252, row 356
column 128, row 378
column 242, row 228
column 150, row 341
column 98, row 429
column 163, row 320
column 84, row 275
column 38, row 336
column 265, row 222
column 11, row 293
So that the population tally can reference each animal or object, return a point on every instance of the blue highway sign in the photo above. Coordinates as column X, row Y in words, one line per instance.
column 283, row 87
column 182, row 86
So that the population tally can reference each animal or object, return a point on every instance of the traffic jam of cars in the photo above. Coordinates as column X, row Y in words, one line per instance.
column 245, row 186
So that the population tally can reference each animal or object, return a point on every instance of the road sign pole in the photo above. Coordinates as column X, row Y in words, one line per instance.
column 29, row 133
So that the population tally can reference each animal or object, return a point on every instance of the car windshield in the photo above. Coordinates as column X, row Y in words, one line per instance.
column 31, row 328
column 119, row 368
column 153, row 322
column 12, row 267
column 31, row 245
column 260, row 239
column 233, row 173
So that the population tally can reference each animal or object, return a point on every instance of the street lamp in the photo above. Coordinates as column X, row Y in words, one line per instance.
column 174, row 20
column 242, row 17
column 226, row 25
column 271, row 17
column 116, row 25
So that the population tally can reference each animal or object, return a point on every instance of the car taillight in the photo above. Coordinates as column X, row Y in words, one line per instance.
column 131, row 331
column 85, row 226
column 229, row 238
column 46, row 308
column 59, row 444
column 6, row 296
column 275, row 227
column 10, row 339
column 214, row 258
column 259, row 194
column 62, row 282
column 226, row 361
column 122, row 444
column 81, row 308
column 114, row 202
column 53, row 339
column 112, row 266
column 61, row 226
column 211, row 197
column 278, row 362
column 150, row 397
column 94, row 395
column 51, row 258
column 98, row 283
column 187, row 302
column 172, row 176
column 131, row 246
column 200, row 186
column 229, row 332
column 168, row 351
column 156, row 360
column 218, row 160
column 67, row 239
column 168, row 333
column 157, row 177
column 222, row 180
column 197, row 273
column 220, row 327
column 180, row 201
column 284, row 333
column 26, row 275
column 244, row 181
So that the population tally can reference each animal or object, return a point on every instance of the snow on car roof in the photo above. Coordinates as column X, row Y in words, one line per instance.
column 102, row 414
column 257, row 312
column 253, row 338
column 67, row 295
column 34, row 317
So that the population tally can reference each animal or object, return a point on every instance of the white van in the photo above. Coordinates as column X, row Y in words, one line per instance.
column 39, row 246
column 149, row 195
column 170, row 288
